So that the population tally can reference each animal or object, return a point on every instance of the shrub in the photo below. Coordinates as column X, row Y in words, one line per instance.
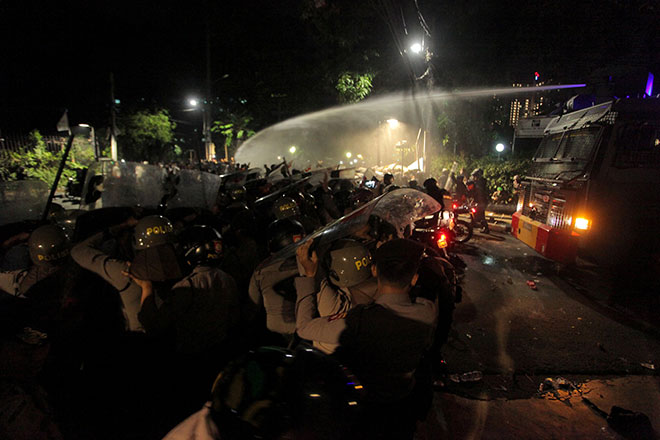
column 34, row 161
column 497, row 172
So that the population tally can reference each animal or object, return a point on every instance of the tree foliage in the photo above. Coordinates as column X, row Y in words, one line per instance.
column 235, row 128
column 497, row 172
column 472, row 127
column 35, row 161
column 147, row 135
column 354, row 87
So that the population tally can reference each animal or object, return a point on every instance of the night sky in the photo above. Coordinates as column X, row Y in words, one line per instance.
column 59, row 54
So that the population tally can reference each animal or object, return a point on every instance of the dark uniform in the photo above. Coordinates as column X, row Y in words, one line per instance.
column 202, row 309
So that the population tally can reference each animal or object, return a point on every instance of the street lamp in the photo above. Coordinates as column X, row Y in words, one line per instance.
column 499, row 148
column 293, row 149
column 416, row 48
column 193, row 102
column 348, row 155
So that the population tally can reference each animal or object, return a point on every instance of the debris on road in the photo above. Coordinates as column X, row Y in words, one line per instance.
column 532, row 284
column 558, row 388
column 471, row 376
column 648, row 365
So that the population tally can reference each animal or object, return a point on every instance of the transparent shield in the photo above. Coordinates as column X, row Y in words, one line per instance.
column 22, row 200
column 115, row 184
column 400, row 208
column 194, row 189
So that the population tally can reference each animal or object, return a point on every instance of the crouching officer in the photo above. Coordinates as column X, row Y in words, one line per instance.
column 271, row 286
column 384, row 342
column 202, row 309
column 46, row 283
column 349, row 282
column 197, row 316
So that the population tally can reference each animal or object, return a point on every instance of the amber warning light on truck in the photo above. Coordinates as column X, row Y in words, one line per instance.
column 582, row 223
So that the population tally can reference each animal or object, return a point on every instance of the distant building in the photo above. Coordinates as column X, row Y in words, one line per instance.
column 525, row 107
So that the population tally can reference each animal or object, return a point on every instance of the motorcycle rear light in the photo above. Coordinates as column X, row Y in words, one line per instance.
column 473, row 210
column 442, row 241
column 454, row 206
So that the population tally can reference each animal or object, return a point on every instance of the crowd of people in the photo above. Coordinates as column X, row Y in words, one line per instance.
column 142, row 317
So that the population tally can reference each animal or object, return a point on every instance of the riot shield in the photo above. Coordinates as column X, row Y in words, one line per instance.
column 400, row 208
column 196, row 189
column 22, row 200
column 115, row 184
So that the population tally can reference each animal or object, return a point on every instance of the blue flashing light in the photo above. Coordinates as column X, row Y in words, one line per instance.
column 649, row 85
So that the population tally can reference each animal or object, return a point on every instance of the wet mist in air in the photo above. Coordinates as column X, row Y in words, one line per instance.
column 359, row 134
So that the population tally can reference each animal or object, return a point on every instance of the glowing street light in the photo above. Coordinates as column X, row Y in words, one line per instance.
column 393, row 123
column 193, row 102
column 292, row 149
column 348, row 155
column 416, row 48
column 499, row 148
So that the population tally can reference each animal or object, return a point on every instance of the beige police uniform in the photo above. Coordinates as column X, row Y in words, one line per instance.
column 88, row 256
column 280, row 310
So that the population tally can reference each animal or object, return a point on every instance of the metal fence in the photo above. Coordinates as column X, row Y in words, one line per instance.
column 21, row 142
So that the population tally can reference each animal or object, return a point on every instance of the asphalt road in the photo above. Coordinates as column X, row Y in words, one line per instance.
column 517, row 336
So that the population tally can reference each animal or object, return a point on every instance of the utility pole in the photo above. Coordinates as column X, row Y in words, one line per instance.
column 209, row 148
column 113, row 119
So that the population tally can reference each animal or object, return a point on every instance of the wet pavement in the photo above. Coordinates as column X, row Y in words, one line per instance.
column 524, row 319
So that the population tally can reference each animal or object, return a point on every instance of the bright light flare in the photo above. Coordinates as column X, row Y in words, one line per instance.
column 349, row 155
column 292, row 149
column 499, row 148
column 416, row 48
column 393, row 123
column 581, row 223
column 193, row 102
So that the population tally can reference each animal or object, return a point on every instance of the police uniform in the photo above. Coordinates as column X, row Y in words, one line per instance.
column 88, row 256
column 335, row 302
column 265, row 290
column 18, row 282
column 373, row 337
column 203, row 308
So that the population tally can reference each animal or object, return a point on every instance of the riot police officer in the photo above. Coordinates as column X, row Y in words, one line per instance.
column 155, row 259
column 383, row 342
column 349, row 282
column 271, row 287
column 48, row 247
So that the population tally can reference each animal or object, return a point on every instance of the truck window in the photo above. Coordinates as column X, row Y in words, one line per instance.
column 549, row 146
column 578, row 144
column 638, row 145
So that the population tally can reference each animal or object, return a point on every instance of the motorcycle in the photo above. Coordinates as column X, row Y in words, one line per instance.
column 437, row 231
column 463, row 228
